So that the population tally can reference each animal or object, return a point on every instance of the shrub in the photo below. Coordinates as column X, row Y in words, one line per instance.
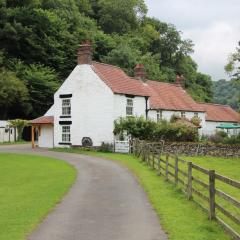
column 143, row 129
column 232, row 139
column 216, row 138
column 106, row 147
column 196, row 121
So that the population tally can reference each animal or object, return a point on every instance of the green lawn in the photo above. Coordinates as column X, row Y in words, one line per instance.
column 13, row 143
column 181, row 219
column 30, row 186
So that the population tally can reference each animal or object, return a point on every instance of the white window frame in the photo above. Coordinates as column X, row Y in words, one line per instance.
column 196, row 114
column 159, row 115
column 183, row 114
column 129, row 107
column 66, row 133
column 66, row 107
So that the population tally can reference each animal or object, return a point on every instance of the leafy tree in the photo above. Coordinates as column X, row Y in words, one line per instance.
column 227, row 92
column 39, row 40
column 13, row 96
column 233, row 66
column 121, row 16
column 19, row 124
column 124, row 57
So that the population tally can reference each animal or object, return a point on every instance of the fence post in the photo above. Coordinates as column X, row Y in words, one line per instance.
column 212, row 213
column 159, row 164
column 189, row 184
column 166, row 175
column 176, row 170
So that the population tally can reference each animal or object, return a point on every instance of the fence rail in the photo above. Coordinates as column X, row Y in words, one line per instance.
column 185, row 173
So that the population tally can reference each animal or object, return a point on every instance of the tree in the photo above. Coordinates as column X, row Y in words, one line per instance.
column 13, row 96
column 233, row 66
column 19, row 124
column 121, row 16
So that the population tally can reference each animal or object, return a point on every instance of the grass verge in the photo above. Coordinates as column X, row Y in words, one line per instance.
column 30, row 187
column 181, row 219
column 14, row 143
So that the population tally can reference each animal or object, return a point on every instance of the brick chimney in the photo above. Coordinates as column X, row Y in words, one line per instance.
column 84, row 54
column 180, row 81
column 139, row 72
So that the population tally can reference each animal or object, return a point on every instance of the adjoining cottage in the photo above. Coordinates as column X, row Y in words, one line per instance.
column 7, row 133
column 96, row 94
column 220, row 117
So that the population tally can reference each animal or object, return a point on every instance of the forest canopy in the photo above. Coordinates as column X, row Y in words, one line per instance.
column 39, row 41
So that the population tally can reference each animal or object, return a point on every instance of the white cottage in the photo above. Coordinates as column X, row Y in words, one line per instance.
column 218, row 116
column 7, row 133
column 95, row 94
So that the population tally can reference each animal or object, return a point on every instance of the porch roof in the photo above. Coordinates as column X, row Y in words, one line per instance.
column 42, row 120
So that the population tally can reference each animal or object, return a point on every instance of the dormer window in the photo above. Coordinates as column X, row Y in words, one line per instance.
column 129, row 107
column 66, row 107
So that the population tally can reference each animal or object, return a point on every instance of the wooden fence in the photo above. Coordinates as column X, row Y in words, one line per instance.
column 197, row 183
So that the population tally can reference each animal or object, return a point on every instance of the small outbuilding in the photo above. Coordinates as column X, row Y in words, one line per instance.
column 7, row 133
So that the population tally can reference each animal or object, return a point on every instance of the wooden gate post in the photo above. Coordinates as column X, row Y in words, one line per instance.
column 212, row 213
column 176, row 170
column 189, row 184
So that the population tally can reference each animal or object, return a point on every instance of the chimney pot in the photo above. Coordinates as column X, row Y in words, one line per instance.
column 180, row 81
column 84, row 53
column 139, row 72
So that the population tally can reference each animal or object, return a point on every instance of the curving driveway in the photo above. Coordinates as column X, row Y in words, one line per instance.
column 105, row 203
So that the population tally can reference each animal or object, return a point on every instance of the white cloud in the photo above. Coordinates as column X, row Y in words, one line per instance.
column 213, row 26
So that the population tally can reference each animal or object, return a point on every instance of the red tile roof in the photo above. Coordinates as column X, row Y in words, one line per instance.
column 116, row 79
column 171, row 97
column 162, row 95
column 220, row 113
column 42, row 120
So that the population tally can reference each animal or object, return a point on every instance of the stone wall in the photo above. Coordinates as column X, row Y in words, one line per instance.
column 210, row 149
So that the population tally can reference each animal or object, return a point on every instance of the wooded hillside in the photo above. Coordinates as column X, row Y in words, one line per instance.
column 39, row 41
column 227, row 92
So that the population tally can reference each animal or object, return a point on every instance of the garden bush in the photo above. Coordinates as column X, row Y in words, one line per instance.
column 138, row 127
column 222, row 137
column 106, row 147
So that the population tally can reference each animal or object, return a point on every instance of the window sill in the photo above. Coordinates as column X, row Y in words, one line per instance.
column 65, row 143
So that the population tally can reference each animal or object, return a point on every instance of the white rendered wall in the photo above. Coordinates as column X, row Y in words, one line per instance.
column 46, row 136
column 8, row 136
column 91, row 107
column 120, row 103
column 211, row 129
column 166, row 115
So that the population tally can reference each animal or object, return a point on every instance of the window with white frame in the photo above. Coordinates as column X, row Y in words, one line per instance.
column 183, row 114
column 66, row 135
column 159, row 115
column 129, row 107
column 66, row 107
column 196, row 114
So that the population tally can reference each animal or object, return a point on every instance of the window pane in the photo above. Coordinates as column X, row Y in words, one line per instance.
column 129, row 110
column 129, row 102
column 66, row 107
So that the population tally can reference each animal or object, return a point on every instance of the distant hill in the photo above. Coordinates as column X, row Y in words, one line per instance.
column 227, row 92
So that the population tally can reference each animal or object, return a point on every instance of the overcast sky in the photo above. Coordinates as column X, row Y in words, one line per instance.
column 213, row 25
